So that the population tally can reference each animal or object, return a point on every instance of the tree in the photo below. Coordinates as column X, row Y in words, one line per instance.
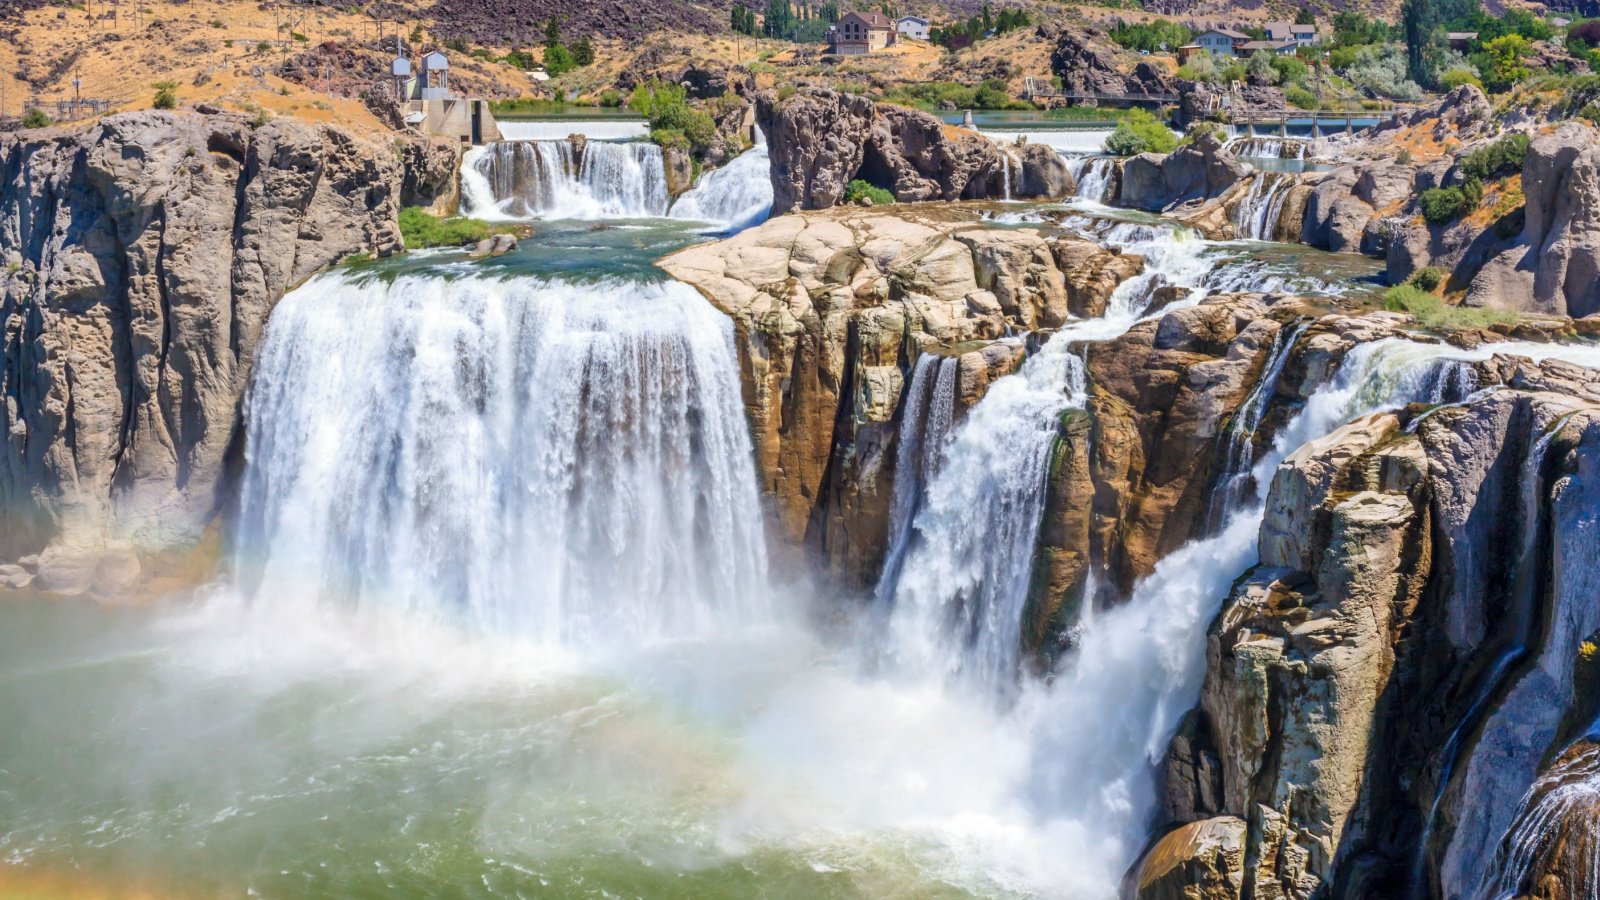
column 1139, row 132
column 166, row 95
column 583, row 52
column 778, row 19
column 1260, row 68
column 1500, row 61
column 1305, row 16
column 558, row 60
column 1425, row 43
column 552, row 32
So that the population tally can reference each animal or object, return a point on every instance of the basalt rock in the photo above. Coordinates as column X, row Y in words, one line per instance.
column 1198, row 171
column 143, row 256
column 1397, row 559
column 831, row 310
column 1086, row 62
column 820, row 140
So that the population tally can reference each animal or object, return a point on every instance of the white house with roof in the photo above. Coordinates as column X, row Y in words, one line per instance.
column 914, row 27
column 1221, row 41
column 1306, row 35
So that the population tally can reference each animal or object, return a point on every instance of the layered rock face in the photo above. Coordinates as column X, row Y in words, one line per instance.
column 831, row 311
column 1084, row 68
column 143, row 258
column 820, row 140
column 1198, row 171
column 1379, row 689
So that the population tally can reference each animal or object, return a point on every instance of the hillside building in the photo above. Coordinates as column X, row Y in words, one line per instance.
column 914, row 27
column 1303, row 35
column 858, row 33
column 1222, row 42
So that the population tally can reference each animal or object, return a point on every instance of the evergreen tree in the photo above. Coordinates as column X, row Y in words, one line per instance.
column 552, row 32
column 583, row 52
column 1305, row 16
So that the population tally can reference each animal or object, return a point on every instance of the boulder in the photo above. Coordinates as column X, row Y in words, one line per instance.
column 1198, row 171
column 1092, row 273
column 816, row 140
column 1198, row 861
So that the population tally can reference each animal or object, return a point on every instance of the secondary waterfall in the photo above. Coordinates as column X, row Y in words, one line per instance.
column 959, row 574
column 1235, row 482
column 1256, row 217
column 558, row 180
column 1105, row 718
column 1094, row 175
column 1267, row 147
column 924, row 430
column 1554, row 830
column 563, row 461
column 734, row 197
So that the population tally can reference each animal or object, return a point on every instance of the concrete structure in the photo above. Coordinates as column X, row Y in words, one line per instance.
column 858, row 33
column 914, row 27
column 435, row 77
column 1221, row 41
column 468, row 120
column 1307, row 35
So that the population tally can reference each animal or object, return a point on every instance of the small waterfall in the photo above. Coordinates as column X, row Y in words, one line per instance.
column 1554, row 831
column 1005, row 164
column 1267, row 148
column 1234, row 484
column 734, row 197
column 554, row 180
column 1094, row 175
column 560, row 461
column 924, row 429
column 1256, row 217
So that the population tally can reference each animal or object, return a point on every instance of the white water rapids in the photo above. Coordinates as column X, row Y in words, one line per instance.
column 553, row 180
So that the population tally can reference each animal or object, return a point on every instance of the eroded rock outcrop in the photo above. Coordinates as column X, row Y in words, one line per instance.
column 820, row 140
column 1352, row 706
column 143, row 256
column 1085, row 61
column 832, row 309
column 1197, row 171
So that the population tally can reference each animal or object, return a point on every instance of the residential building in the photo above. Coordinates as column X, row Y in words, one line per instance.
column 1221, row 41
column 1281, row 48
column 1307, row 35
column 858, row 33
column 914, row 27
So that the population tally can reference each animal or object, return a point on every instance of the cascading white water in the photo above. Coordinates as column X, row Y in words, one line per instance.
column 561, row 461
column 1105, row 718
column 961, row 570
column 1005, row 163
column 1267, row 147
column 734, row 197
column 1555, row 823
column 1094, row 175
column 924, row 430
column 553, row 180
column 1256, row 217
column 1234, row 484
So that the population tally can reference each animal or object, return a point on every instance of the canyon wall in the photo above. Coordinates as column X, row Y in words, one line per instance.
column 143, row 258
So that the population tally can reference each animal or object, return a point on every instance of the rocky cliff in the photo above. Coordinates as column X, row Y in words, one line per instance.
column 820, row 140
column 1382, row 686
column 832, row 310
column 142, row 259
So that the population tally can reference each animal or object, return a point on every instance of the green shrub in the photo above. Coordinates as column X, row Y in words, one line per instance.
column 1455, row 78
column 263, row 46
column 420, row 229
column 1427, row 278
column 34, row 117
column 558, row 60
column 611, row 97
column 667, row 107
column 166, row 95
column 1291, row 69
column 1139, row 132
column 297, row 36
column 1440, row 206
column 859, row 190
column 1503, row 157
column 1432, row 312
column 1298, row 96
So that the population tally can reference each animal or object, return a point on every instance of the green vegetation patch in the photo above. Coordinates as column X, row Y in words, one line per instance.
column 421, row 228
column 1139, row 132
column 1433, row 313
column 859, row 190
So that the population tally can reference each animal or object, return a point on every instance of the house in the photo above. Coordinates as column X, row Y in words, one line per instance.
column 1281, row 48
column 859, row 33
column 1461, row 41
column 1187, row 52
column 914, row 27
column 1221, row 41
column 1293, row 31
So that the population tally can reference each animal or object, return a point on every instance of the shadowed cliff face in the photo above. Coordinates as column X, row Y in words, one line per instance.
column 143, row 257
column 1382, row 687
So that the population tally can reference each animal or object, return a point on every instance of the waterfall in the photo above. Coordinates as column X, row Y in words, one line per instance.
column 1104, row 719
column 1094, row 175
column 1005, row 164
column 1234, row 484
column 734, row 197
column 567, row 462
column 1256, row 217
column 1554, row 829
column 924, row 427
column 1267, row 148
column 554, row 180
column 960, row 572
